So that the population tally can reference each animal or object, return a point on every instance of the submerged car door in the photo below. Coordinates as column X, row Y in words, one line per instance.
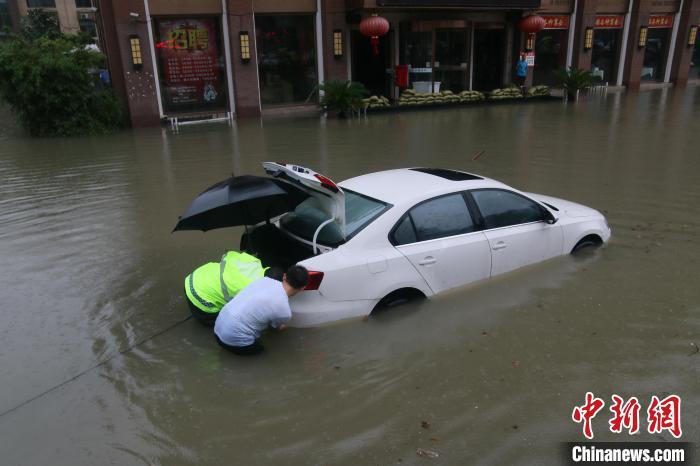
column 441, row 240
column 517, row 229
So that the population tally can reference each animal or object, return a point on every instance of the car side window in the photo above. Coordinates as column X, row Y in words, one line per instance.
column 404, row 232
column 501, row 208
column 441, row 217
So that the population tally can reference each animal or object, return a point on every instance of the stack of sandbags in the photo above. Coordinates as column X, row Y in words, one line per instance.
column 448, row 97
column 470, row 96
column 507, row 93
column 376, row 102
column 537, row 91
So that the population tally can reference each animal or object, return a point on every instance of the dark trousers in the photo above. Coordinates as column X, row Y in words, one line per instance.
column 207, row 318
column 250, row 350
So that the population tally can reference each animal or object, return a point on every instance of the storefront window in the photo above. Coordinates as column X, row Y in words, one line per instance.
column 695, row 60
column 88, row 26
column 655, row 54
column 550, row 55
column 5, row 20
column 605, row 52
column 192, row 72
column 41, row 3
column 286, row 58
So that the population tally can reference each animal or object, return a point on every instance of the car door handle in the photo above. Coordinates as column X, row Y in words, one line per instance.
column 499, row 245
column 428, row 261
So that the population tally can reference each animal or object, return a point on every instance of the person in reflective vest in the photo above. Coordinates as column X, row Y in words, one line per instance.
column 214, row 284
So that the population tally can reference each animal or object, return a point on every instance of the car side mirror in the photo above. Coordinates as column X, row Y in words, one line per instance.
column 550, row 218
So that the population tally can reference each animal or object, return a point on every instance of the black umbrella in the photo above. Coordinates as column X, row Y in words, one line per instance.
column 240, row 200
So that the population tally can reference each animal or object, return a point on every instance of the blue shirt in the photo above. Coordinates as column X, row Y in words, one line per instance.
column 242, row 320
column 521, row 68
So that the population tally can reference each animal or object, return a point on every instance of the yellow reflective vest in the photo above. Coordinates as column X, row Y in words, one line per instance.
column 214, row 284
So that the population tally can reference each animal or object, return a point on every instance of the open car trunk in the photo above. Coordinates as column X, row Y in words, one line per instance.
column 274, row 248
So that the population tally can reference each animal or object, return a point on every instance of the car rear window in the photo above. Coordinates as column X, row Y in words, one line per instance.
column 360, row 211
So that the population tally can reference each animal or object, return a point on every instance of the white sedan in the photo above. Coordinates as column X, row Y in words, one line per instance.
column 387, row 236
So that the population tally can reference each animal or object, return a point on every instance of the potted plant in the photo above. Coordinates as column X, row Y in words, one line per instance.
column 340, row 97
column 574, row 80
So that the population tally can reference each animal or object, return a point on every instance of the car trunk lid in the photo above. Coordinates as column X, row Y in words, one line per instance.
column 329, row 195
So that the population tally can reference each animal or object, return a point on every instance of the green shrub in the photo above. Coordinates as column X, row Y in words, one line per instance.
column 574, row 79
column 342, row 96
column 48, row 84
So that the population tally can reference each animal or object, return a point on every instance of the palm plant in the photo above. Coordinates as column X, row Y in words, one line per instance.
column 574, row 80
column 341, row 96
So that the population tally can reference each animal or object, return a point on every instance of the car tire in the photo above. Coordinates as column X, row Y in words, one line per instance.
column 398, row 297
column 590, row 241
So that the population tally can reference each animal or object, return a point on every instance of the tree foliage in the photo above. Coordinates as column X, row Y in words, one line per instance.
column 49, row 83
column 40, row 23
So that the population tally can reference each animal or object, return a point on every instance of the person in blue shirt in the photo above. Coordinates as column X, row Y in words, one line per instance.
column 262, row 304
column 521, row 70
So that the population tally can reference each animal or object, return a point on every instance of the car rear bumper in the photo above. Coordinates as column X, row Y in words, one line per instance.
column 310, row 309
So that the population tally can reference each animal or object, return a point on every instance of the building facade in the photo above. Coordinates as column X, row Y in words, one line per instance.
column 196, row 58
column 72, row 15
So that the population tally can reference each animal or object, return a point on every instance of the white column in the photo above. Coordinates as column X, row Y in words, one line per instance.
column 672, row 45
column 319, row 42
column 572, row 30
column 153, row 57
column 623, row 49
column 257, row 66
column 227, row 57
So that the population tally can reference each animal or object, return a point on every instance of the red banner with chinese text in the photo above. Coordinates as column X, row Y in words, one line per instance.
column 191, row 65
column 609, row 22
column 556, row 22
column 661, row 21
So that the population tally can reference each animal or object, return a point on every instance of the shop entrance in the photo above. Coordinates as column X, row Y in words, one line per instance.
column 606, row 49
column 550, row 53
column 655, row 54
column 489, row 56
column 374, row 71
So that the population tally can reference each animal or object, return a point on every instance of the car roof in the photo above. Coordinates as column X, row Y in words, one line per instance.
column 409, row 184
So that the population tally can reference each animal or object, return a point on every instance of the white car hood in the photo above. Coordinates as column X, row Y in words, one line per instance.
column 568, row 208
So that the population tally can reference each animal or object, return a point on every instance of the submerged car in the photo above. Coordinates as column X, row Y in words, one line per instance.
column 386, row 236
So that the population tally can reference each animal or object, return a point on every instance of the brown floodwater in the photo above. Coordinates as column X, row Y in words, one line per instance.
column 98, row 367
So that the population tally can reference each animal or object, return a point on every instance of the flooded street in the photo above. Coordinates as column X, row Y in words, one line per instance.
column 100, row 366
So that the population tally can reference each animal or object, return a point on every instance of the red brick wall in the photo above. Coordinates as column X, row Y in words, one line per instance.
column 245, row 75
column 585, row 18
column 138, row 88
column 333, row 17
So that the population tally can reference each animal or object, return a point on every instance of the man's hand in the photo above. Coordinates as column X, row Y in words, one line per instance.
column 282, row 327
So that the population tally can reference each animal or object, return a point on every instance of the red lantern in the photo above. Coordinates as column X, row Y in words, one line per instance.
column 531, row 24
column 374, row 26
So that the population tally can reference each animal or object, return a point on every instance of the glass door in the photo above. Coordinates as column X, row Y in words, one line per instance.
column 451, row 66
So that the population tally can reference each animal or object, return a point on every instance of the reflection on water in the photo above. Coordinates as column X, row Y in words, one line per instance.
column 90, row 268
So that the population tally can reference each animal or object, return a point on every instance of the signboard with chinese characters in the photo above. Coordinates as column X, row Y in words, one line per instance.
column 661, row 21
column 609, row 22
column 192, row 74
column 530, row 59
column 556, row 22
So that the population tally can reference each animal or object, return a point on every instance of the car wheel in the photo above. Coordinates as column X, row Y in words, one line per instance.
column 590, row 241
column 398, row 297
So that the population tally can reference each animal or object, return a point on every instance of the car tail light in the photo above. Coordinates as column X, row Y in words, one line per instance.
column 326, row 183
column 314, row 280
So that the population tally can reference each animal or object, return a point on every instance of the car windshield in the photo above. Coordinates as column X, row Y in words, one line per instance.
column 360, row 211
